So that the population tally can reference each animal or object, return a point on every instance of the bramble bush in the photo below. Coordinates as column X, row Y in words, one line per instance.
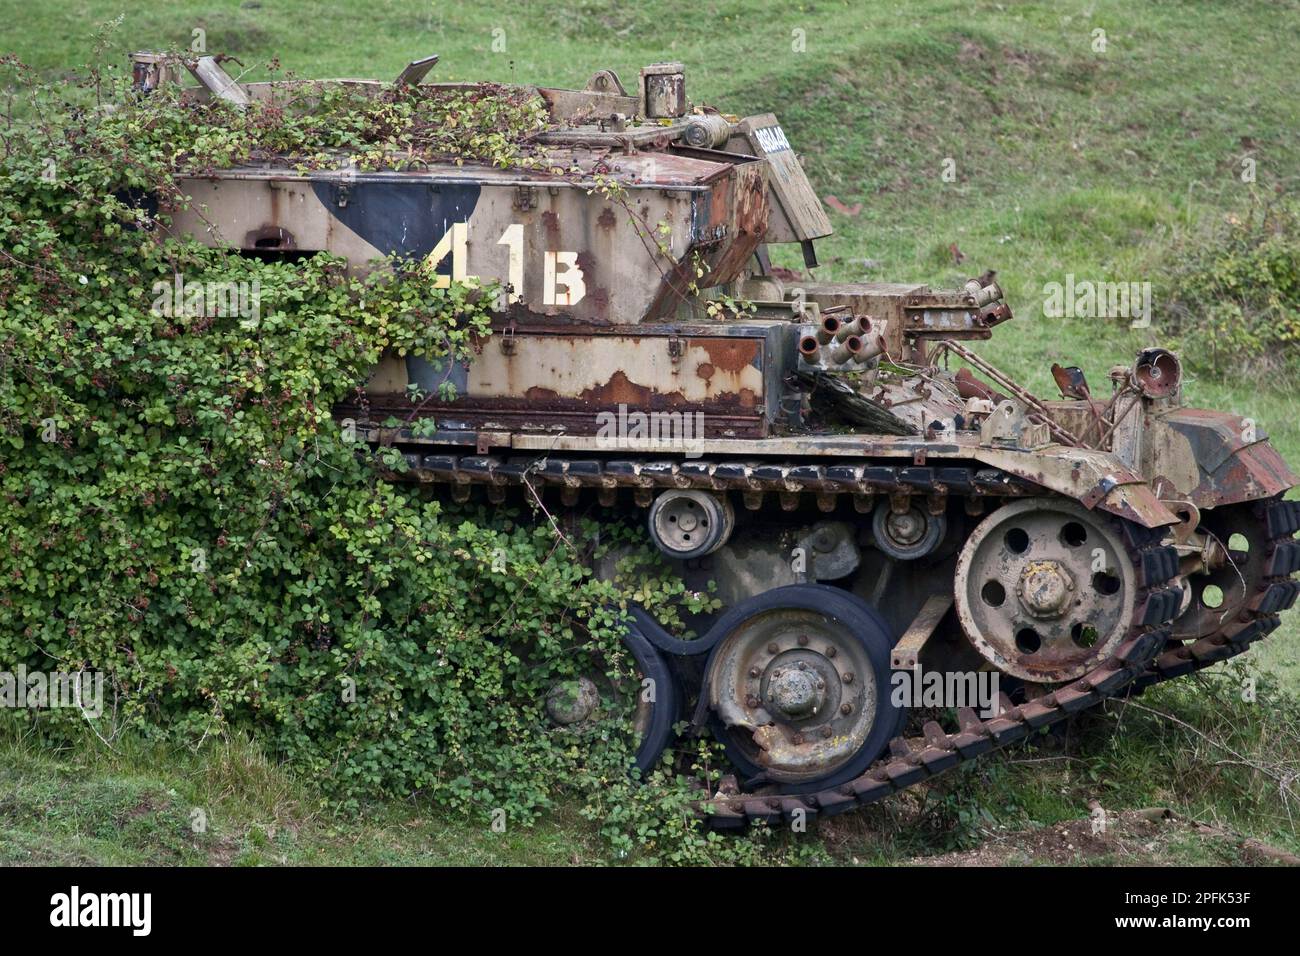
column 1233, row 290
column 180, row 511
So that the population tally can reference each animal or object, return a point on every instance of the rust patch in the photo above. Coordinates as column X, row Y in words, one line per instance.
column 607, row 219
column 538, row 394
column 704, row 370
column 551, row 221
column 620, row 390
column 731, row 355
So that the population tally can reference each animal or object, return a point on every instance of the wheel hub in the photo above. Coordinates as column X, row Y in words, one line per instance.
column 909, row 533
column 572, row 701
column 797, row 691
column 686, row 521
column 905, row 528
column 1045, row 588
column 796, row 687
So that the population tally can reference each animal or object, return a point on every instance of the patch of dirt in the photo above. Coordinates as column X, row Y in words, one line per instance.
column 223, row 851
column 1130, row 838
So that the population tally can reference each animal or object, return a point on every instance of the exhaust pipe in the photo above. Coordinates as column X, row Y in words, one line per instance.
column 830, row 327
column 871, row 347
column 847, row 351
column 810, row 349
column 852, row 327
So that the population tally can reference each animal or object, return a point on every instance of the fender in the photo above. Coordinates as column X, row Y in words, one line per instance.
column 1211, row 458
column 1096, row 479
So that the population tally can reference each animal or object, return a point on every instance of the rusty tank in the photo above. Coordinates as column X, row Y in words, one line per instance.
column 918, row 559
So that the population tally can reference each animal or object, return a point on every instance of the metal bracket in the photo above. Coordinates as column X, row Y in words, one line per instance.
column 907, row 652
column 675, row 350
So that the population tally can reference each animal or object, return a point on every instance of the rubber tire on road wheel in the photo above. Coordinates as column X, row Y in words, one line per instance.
column 666, row 709
column 861, row 620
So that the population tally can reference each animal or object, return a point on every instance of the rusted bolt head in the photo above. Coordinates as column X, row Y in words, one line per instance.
column 826, row 731
column 848, row 677
column 831, row 651
column 754, row 672
column 772, row 648
column 751, row 701
column 1044, row 588
column 803, row 640
column 846, row 709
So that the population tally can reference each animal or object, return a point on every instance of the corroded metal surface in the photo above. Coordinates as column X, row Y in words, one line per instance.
column 1045, row 590
column 798, row 689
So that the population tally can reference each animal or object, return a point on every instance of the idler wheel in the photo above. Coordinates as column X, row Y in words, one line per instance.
column 1240, row 540
column 1045, row 590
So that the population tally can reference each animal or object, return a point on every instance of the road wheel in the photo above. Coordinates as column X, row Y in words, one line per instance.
column 799, row 686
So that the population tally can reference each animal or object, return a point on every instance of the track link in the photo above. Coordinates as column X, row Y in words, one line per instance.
column 1277, row 592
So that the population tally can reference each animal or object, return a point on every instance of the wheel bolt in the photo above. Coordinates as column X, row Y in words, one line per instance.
column 754, row 672
column 751, row 701
column 803, row 665
column 826, row 731
column 831, row 651
column 772, row 648
column 846, row 709
column 803, row 640
column 848, row 677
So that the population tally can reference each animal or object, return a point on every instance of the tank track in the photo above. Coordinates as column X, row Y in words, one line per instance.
column 1277, row 592
column 1143, row 658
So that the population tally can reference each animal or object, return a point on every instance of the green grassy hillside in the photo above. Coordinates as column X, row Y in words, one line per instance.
column 1073, row 151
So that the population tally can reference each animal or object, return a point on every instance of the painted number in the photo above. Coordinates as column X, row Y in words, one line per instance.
column 455, row 241
column 514, row 238
column 569, row 279
column 562, row 278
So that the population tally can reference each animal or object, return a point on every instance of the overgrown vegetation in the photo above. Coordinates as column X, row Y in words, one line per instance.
column 182, row 515
column 1234, row 290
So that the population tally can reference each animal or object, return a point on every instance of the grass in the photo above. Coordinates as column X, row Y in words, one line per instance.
column 1069, row 159
column 227, row 805
column 1223, row 763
